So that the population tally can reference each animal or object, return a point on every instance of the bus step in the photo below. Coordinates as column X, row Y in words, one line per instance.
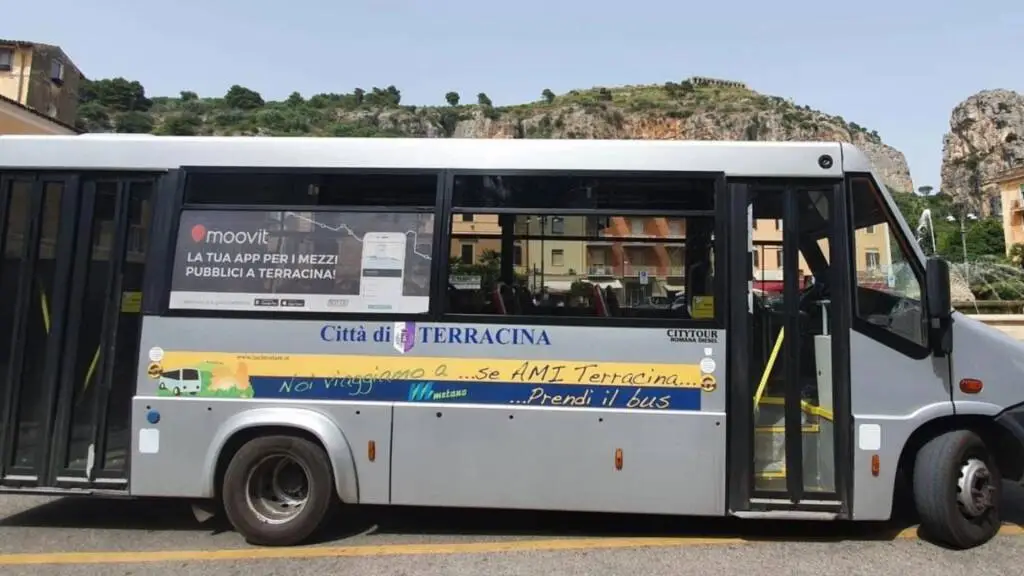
column 784, row 515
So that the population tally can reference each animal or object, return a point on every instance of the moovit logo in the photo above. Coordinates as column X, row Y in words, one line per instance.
column 201, row 234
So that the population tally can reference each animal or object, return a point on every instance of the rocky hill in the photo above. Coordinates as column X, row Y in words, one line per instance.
column 695, row 109
column 986, row 137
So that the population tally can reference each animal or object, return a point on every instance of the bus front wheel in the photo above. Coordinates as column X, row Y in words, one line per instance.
column 277, row 490
column 957, row 489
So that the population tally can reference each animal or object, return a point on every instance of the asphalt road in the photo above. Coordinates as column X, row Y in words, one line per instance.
column 99, row 537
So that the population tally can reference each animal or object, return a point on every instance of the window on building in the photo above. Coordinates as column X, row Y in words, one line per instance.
column 6, row 58
column 557, row 225
column 57, row 71
column 620, row 242
column 872, row 259
column 467, row 217
column 778, row 224
column 517, row 255
column 888, row 297
column 757, row 257
column 467, row 253
column 778, row 258
column 260, row 242
column 995, row 206
column 869, row 229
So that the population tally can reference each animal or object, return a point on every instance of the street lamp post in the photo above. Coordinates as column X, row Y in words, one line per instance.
column 963, row 229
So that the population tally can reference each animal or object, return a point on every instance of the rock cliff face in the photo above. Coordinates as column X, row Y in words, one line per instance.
column 986, row 138
column 695, row 109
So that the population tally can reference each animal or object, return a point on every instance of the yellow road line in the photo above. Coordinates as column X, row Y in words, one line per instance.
column 251, row 554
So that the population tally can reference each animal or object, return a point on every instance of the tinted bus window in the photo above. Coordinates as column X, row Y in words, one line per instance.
column 643, row 248
column 304, row 189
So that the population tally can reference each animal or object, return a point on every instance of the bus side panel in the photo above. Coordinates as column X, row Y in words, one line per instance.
column 571, row 424
column 892, row 395
column 176, row 455
column 560, row 459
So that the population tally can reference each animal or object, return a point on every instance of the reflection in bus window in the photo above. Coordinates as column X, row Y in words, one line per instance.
column 606, row 263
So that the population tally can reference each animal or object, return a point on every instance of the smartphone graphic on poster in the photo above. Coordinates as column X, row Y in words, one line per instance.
column 382, row 274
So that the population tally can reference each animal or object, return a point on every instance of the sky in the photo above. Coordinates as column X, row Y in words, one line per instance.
column 895, row 66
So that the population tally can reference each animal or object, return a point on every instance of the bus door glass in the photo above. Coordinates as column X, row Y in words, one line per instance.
column 38, row 215
column 791, row 350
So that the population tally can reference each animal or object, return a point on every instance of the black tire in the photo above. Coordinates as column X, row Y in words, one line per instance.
column 937, row 470
column 320, row 491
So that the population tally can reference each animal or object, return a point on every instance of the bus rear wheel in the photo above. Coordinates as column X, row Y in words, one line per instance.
column 957, row 490
column 277, row 490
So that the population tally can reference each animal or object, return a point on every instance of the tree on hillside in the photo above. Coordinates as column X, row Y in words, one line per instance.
column 188, row 96
column 243, row 98
column 483, row 100
column 548, row 95
column 380, row 97
column 115, row 94
column 295, row 99
column 452, row 98
column 359, row 93
column 134, row 122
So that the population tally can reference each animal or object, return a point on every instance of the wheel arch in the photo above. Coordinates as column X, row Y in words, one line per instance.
column 233, row 433
column 1005, row 446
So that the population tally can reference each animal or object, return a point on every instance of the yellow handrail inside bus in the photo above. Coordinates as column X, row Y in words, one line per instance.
column 768, row 368
column 46, row 324
column 46, row 310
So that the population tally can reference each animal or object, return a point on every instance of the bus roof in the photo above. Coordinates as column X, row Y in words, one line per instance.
column 158, row 153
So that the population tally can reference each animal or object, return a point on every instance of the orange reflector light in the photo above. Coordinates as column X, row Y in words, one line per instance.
column 970, row 386
column 618, row 458
column 876, row 465
column 371, row 450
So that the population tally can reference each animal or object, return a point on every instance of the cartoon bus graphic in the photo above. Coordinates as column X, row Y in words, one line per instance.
column 183, row 381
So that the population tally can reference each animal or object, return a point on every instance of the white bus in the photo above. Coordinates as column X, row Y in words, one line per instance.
column 285, row 325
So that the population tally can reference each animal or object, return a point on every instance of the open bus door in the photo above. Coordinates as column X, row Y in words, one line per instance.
column 71, row 276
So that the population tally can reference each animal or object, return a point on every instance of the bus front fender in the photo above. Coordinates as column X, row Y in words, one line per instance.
column 245, row 425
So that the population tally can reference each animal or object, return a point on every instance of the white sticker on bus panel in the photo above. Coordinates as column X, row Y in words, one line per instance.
column 149, row 441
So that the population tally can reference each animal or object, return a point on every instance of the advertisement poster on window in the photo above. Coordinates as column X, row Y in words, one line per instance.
column 302, row 261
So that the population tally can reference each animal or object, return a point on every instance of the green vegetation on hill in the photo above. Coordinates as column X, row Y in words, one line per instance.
column 120, row 105
column 672, row 110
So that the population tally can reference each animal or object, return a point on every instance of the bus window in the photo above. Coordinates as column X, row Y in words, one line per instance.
column 889, row 282
column 624, row 247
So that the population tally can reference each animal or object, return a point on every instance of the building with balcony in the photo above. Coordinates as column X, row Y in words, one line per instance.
column 40, row 77
column 1011, row 199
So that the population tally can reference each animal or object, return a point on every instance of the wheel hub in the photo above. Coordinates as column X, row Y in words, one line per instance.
column 277, row 489
column 975, row 490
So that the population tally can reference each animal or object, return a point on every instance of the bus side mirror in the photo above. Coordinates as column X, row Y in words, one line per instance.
column 940, row 304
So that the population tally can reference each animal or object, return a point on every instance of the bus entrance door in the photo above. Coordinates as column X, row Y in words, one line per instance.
column 71, row 279
column 791, row 348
